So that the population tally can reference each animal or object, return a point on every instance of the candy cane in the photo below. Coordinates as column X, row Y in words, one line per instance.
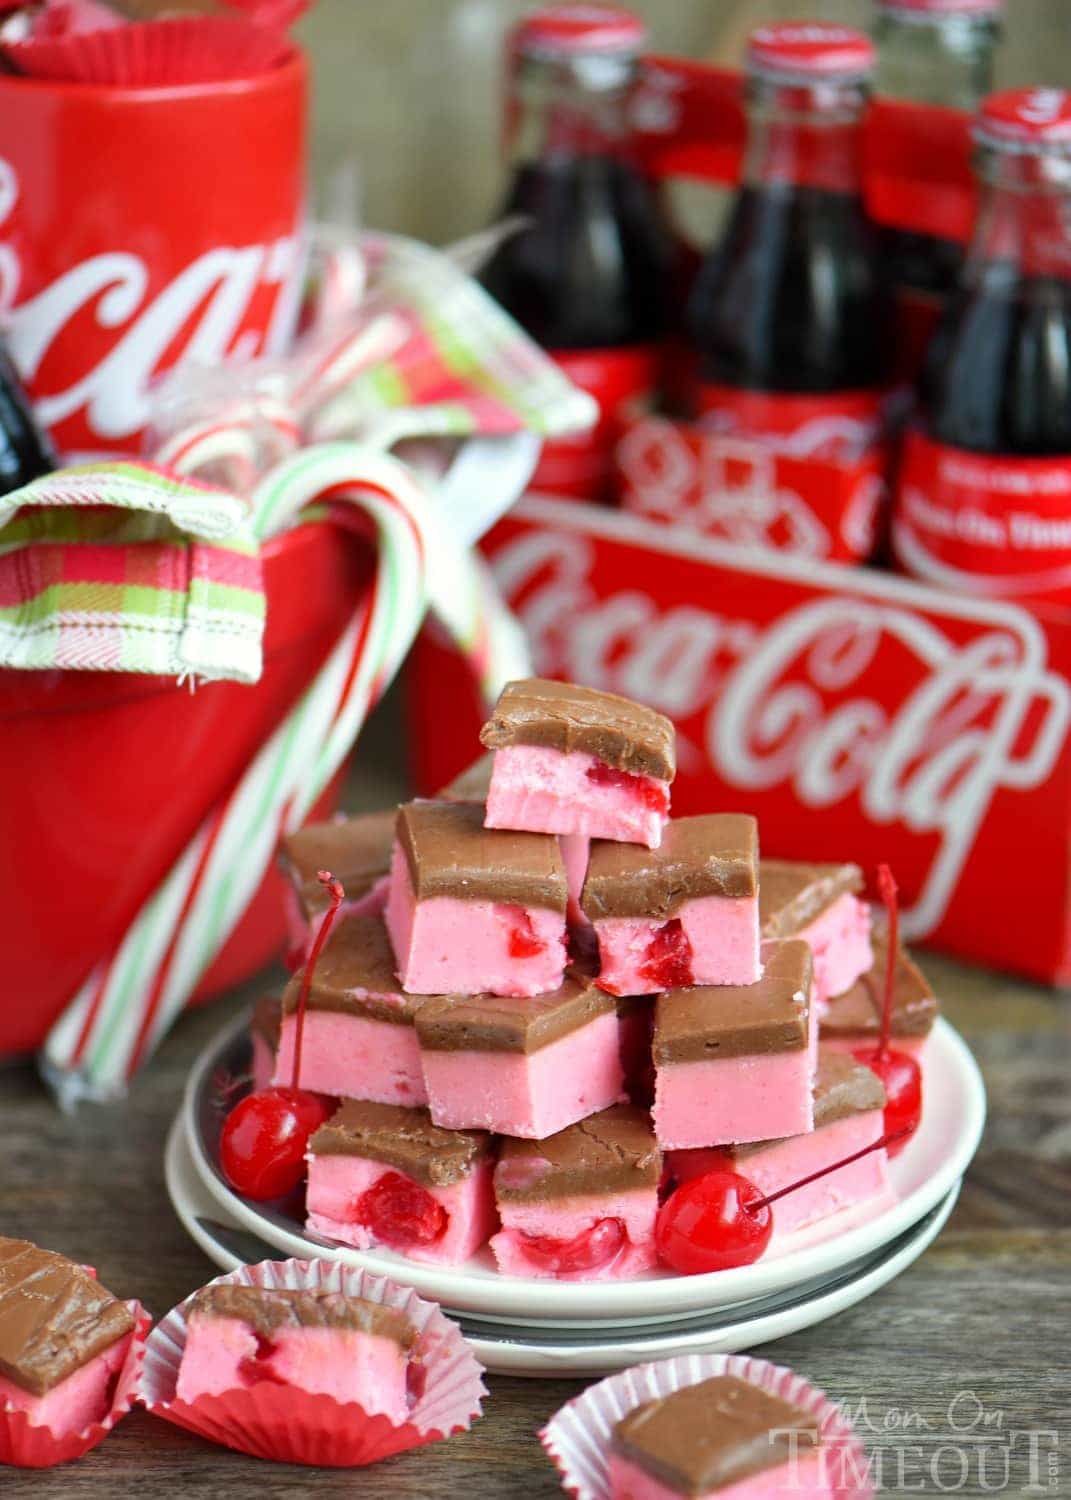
column 126, row 1005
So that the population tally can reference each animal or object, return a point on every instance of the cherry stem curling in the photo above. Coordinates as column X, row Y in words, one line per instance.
column 337, row 895
column 885, row 1140
column 887, row 892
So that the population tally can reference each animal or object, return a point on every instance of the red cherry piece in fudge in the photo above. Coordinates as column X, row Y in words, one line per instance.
column 258, row 1366
column 652, row 793
column 902, row 1077
column 667, row 964
column 713, row 1223
column 401, row 1213
column 264, row 1139
column 589, row 1250
column 523, row 942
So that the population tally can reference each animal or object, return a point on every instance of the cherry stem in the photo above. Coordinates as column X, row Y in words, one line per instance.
column 334, row 890
column 887, row 892
column 885, row 1140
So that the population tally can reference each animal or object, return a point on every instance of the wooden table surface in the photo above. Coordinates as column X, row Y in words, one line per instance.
column 959, row 1360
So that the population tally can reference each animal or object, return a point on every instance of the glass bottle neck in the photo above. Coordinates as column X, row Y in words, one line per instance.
column 935, row 59
column 805, row 136
column 1023, row 228
column 562, row 110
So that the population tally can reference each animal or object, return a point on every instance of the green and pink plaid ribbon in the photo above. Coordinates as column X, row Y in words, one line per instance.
column 428, row 355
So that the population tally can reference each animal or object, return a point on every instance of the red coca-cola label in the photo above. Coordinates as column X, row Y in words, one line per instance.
column 737, row 490
column 837, row 425
column 581, row 466
column 992, row 525
column 857, row 715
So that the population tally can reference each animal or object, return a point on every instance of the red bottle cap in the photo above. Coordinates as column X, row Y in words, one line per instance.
column 810, row 51
column 569, row 31
column 1034, row 120
column 945, row 7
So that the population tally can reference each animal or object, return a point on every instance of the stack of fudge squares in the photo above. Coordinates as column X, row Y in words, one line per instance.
column 545, row 1002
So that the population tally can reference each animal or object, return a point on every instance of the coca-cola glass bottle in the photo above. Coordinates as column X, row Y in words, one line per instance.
column 787, row 313
column 587, row 276
column 997, row 379
column 938, row 52
column 25, row 451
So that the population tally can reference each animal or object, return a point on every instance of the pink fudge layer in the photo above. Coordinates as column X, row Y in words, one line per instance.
column 730, row 1099
column 73, row 1403
column 539, row 790
column 354, row 1057
column 803, row 1478
column 784, row 1162
column 575, row 849
column 722, row 933
column 565, row 1218
column 449, row 947
column 839, row 939
column 337, row 1182
column 533, row 1094
column 300, row 932
column 225, row 1354
column 263, row 1064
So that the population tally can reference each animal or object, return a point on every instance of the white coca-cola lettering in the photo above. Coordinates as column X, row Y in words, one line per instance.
column 207, row 301
column 789, row 704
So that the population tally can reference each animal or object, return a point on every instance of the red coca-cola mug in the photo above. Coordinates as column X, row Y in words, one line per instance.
column 139, row 226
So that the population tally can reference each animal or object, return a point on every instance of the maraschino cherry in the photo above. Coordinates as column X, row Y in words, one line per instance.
column 262, row 1147
column 898, row 1071
column 722, row 1220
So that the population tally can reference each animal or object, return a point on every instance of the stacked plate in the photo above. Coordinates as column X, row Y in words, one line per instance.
column 540, row 1327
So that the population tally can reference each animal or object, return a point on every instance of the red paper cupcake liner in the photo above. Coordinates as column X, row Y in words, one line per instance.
column 179, row 50
column 297, row 1427
column 27, row 1446
column 577, row 1438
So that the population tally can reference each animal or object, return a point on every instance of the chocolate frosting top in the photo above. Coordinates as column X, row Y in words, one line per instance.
column 727, row 1020
column 500, row 1023
column 267, row 1309
column 712, row 1434
column 451, row 853
column 858, row 1011
column 54, row 1317
column 473, row 784
column 713, row 855
column 562, row 716
column 844, row 1087
column 267, row 1018
column 612, row 1151
column 793, row 893
column 401, row 1138
column 355, row 850
column 356, row 976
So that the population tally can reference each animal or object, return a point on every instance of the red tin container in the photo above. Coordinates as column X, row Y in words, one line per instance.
column 105, row 777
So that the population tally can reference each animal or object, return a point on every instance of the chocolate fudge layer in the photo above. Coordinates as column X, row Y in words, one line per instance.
column 267, row 1018
column 707, row 1021
column 355, row 850
column 54, row 1317
column 713, row 855
column 496, row 1023
column 562, row 716
column 473, row 784
column 792, row 893
column 451, row 853
column 710, row 1435
column 842, row 1087
column 401, row 1138
column 355, row 973
column 614, row 1151
column 858, row 1011
column 267, row 1309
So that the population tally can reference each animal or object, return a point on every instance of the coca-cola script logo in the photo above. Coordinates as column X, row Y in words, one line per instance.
column 793, row 702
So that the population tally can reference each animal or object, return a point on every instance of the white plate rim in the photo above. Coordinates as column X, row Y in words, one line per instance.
column 482, row 1289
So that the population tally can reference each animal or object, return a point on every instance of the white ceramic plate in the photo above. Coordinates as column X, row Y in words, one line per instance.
column 923, row 1174
column 510, row 1350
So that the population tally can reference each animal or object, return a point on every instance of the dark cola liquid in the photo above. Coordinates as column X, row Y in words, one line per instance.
column 25, row 452
column 792, row 300
column 998, row 371
column 591, row 271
